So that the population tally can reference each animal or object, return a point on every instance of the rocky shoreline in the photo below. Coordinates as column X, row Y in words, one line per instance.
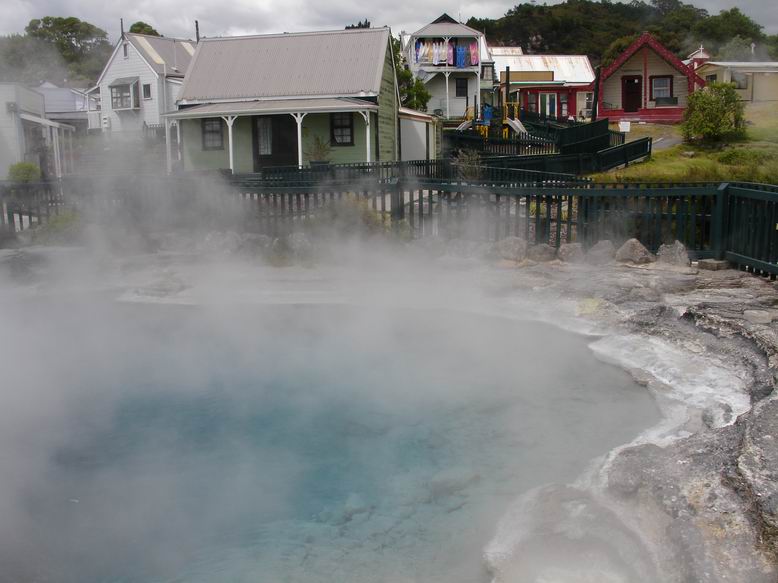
column 701, row 507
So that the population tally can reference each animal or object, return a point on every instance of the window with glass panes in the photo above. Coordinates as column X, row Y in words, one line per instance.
column 121, row 97
column 661, row 87
column 213, row 134
column 342, row 129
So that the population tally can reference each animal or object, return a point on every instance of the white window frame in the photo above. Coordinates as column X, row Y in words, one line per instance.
column 655, row 91
column 544, row 103
column 132, row 95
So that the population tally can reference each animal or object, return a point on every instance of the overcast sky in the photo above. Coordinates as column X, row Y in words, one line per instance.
column 232, row 17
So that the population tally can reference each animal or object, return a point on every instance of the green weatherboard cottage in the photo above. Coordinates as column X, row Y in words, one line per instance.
column 288, row 99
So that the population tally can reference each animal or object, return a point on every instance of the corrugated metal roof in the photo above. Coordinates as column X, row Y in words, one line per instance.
column 166, row 55
column 506, row 51
column 744, row 64
column 567, row 68
column 123, row 81
column 275, row 106
column 451, row 29
column 347, row 63
column 62, row 99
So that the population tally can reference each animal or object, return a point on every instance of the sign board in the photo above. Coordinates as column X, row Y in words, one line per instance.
column 624, row 126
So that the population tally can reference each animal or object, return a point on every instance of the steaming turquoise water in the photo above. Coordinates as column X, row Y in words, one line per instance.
column 303, row 444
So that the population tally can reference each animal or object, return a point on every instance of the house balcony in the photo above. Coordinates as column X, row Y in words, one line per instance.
column 449, row 54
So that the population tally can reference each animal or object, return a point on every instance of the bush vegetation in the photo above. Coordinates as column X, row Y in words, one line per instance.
column 24, row 172
column 713, row 114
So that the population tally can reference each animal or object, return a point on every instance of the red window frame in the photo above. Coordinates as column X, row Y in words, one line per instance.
column 651, row 85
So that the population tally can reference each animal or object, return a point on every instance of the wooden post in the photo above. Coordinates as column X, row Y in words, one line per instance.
column 168, row 157
column 719, row 228
column 230, row 119
column 596, row 97
column 57, row 153
column 366, row 117
column 298, row 117
column 178, row 140
column 448, row 112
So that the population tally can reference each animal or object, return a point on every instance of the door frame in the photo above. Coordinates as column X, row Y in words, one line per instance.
column 278, row 140
column 624, row 80
column 543, row 99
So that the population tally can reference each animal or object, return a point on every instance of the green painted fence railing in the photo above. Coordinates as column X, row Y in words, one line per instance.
column 736, row 221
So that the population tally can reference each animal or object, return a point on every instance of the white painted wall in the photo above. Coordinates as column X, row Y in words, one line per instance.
column 132, row 66
column 12, row 144
column 437, row 88
column 413, row 135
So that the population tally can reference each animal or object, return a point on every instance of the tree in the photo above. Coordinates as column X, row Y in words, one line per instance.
column 29, row 60
column 82, row 46
column 413, row 92
column 736, row 49
column 726, row 25
column 72, row 37
column 360, row 24
column 713, row 113
column 616, row 48
column 772, row 46
column 141, row 27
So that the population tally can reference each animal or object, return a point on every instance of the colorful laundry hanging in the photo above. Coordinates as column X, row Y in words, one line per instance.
column 460, row 53
column 450, row 57
column 473, row 53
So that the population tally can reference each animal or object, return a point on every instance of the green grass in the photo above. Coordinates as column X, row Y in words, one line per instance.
column 762, row 120
column 741, row 162
column 753, row 159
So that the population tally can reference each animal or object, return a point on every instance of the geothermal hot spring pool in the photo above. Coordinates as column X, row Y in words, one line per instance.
column 144, row 443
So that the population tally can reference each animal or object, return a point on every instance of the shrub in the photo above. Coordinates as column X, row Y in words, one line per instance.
column 713, row 113
column 24, row 172
column 469, row 162
column 745, row 157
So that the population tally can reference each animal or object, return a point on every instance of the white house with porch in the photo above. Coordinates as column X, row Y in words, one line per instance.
column 287, row 100
column 27, row 136
column 140, row 82
column 451, row 59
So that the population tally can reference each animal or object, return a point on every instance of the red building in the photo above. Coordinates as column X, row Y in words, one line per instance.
column 550, row 85
column 646, row 82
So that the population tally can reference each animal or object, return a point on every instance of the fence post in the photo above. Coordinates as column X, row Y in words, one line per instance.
column 396, row 202
column 719, row 228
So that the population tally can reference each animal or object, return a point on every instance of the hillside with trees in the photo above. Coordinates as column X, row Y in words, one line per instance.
column 64, row 50
column 602, row 29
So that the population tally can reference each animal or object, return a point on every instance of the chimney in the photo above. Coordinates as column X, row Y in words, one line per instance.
column 197, row 31
column 121, row 26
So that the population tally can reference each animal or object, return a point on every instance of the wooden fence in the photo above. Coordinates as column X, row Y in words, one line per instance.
column 580, row 163
column 736, row 221
column 454, row 140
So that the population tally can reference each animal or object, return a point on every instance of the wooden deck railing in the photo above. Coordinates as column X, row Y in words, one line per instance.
column 733, row 220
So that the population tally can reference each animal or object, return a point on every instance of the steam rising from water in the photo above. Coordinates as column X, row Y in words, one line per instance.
column 160, row 443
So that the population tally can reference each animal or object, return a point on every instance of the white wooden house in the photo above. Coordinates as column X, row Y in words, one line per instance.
column 452, row 60
column 27, row 136
column 140, row 82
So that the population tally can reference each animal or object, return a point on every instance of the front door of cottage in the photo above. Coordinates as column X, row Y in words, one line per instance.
column 631, row 92
column 274, row 141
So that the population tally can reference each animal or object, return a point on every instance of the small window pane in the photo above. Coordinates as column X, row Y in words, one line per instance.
column 461, row 87
column 121, row 97
column 661, row 87
column 342, row 125
column 740, row 80
column 146, row 91
column 213, row 136
column 265, row 136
